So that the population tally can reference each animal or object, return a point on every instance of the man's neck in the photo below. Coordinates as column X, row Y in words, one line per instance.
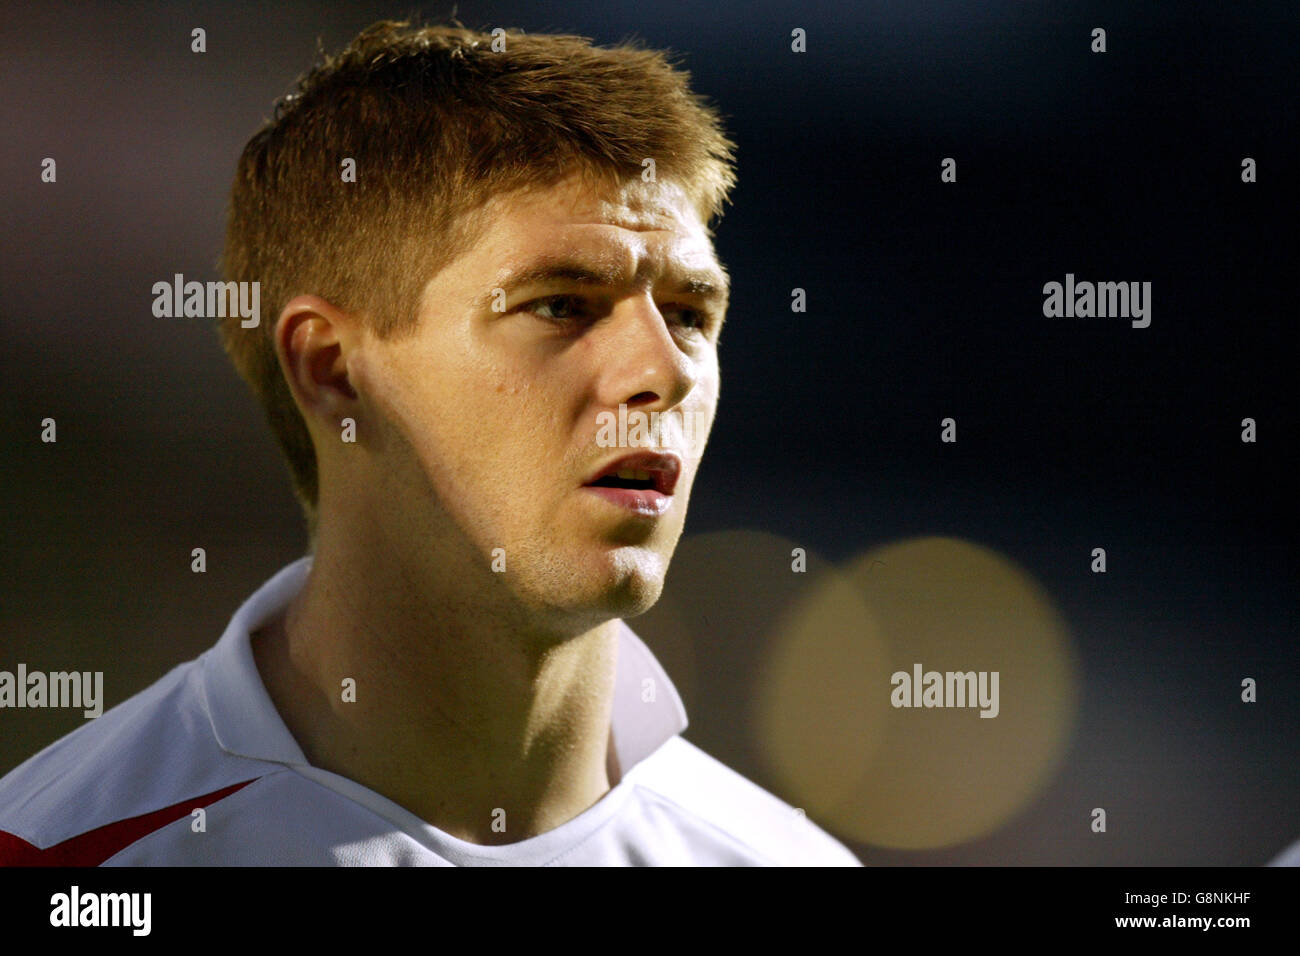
column 488, row 734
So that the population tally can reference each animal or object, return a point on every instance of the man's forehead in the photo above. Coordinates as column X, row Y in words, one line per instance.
column 632, row 204
column 639, row 206
column 635, row 232
column 614, row 226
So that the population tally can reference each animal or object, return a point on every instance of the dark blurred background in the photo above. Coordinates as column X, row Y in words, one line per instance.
column 924, row 302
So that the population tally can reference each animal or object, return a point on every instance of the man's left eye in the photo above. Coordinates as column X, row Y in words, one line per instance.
column 690, row 318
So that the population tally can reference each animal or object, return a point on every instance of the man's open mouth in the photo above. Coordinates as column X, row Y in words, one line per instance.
column 639, row 472
column 626, row 478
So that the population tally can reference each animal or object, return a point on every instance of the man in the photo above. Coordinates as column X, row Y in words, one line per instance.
column 480, row 250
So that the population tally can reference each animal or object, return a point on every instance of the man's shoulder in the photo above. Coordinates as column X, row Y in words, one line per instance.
column 758, row 823
column 151, row 755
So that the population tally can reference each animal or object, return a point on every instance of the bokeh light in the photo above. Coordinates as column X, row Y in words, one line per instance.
column 917, row 777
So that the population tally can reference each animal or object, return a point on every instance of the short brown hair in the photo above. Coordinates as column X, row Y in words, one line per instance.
column 438, row 122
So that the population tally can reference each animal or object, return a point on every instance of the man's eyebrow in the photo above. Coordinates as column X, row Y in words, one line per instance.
column 703, row 283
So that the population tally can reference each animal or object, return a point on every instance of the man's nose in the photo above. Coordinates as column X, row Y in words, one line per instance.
column 645, row 365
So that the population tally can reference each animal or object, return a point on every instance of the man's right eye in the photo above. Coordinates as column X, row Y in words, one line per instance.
column 557, row 308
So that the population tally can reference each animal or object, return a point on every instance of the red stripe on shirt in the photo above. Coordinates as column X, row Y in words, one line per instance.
column 95, row 846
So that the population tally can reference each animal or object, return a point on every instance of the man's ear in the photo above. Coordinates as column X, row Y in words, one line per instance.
column 313, row 340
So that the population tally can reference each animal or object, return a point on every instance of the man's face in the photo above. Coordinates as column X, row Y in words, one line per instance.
column 571, row 305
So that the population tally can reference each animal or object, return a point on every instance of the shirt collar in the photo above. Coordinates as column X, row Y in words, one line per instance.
column 647, row 710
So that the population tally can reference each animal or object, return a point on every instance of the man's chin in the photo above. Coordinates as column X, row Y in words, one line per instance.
column 620, row 585
column 634, row 596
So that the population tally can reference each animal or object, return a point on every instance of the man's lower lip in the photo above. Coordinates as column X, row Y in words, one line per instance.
column 649, row 503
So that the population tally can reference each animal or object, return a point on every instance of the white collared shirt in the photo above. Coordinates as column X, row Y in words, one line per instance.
column 199, row 769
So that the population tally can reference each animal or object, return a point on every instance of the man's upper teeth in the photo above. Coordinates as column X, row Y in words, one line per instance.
column 633, row 474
